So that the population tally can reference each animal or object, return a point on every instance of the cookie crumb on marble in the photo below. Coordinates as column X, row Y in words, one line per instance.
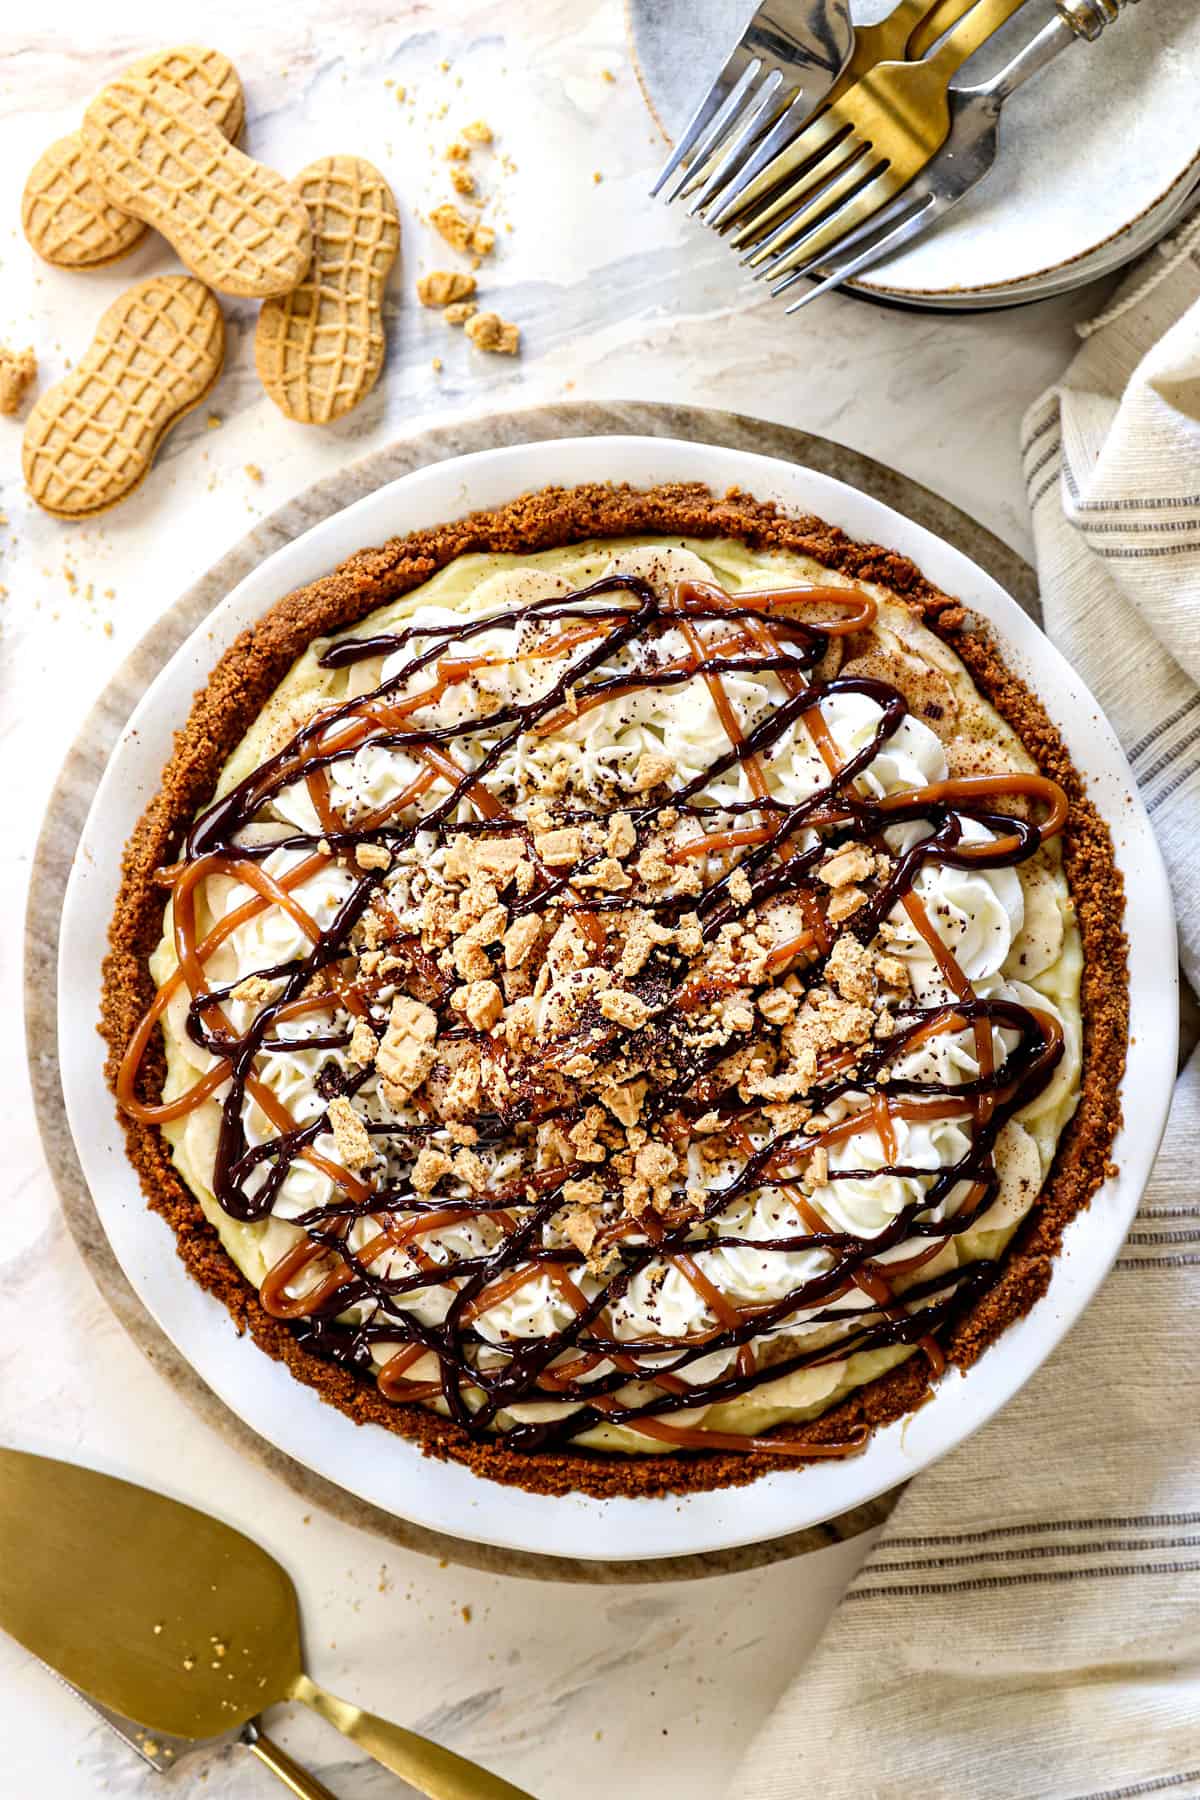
column 488, row 331
column 17, row 369
column 464, row 235
column 442, row 287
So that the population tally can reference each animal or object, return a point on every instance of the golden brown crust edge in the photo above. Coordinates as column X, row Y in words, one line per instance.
column 223, row 711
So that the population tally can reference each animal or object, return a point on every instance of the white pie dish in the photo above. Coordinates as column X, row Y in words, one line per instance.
column 385, row 1469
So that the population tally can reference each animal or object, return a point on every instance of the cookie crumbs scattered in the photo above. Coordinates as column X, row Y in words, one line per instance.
column 850, row 969
column 254, row 990
column 350, row 1135
column 849, row 863
column 488, row 331
column 372, row 856
column 478, row 132
column 442, row 286
column 17, row 369
column 429, row 1168
column 464, row 235
column 463, row 182
column 520, row 939
column 481, row 1002
column 254, row 472
column 777, row 1006
column 623, row 1008
column 652, row 770
column 559, row 847
column 406, row 1052
column 845, row 902
column 739, row 887
column 460, row 312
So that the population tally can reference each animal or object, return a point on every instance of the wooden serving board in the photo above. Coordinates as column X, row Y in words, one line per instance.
column 72, row 798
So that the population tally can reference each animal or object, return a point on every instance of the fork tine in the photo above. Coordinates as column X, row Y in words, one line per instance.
column 776, row 139
column 865, row 198
column 906, row 221
column 742, row 138
column 855, row 239
column 847, row 156
column 820, row 138
column 762, row 197
column 705, row 131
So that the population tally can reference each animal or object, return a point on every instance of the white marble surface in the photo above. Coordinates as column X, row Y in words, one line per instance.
column 579, row 1691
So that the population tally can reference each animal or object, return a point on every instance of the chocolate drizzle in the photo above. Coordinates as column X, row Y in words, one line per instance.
column 608, row 1380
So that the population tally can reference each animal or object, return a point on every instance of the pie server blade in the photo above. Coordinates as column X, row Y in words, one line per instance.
column 174, row 1620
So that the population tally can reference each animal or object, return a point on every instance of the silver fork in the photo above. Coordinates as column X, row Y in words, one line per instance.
column 964, row 159
column 789, row 47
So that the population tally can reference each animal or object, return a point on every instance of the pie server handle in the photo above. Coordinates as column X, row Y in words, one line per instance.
column 296, row 1780
column 427, row 1767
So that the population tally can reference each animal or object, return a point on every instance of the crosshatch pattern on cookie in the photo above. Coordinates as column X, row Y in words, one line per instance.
column 319, row 350
column 92, row 438
column 66, row 216
column 207, row 75
column 235, row 223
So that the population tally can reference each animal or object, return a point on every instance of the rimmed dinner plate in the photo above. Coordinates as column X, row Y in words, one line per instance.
column 385, row 1469
column 1098, row 155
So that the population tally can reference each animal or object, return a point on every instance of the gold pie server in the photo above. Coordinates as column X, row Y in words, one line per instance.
column 178, row 1622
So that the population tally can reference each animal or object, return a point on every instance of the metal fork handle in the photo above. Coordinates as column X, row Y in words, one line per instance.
column 1028, row 61
column 1072, row 19
column 1087, row 18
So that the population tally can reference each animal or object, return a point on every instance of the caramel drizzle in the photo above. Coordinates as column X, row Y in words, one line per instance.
column 761, row 637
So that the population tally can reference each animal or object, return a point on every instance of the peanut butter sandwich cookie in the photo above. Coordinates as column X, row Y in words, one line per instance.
column 156, row 153
column 320, row 348
column 66, row 217
column 92, row 437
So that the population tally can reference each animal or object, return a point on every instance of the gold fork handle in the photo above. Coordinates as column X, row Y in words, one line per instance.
column 296, row 1780
column 426, row 1766
column 932, row 22
column 970, row 33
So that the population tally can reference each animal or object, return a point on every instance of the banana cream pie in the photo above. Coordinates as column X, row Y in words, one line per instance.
column 641, row 989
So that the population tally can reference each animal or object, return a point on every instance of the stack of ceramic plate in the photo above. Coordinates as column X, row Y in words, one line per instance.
column 1100, row 156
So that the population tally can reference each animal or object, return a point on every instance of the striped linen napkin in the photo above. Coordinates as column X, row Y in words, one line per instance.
column 1027, row 1627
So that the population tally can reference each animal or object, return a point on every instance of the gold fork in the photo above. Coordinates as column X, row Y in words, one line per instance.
column 906, row 33
column 864, row 148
